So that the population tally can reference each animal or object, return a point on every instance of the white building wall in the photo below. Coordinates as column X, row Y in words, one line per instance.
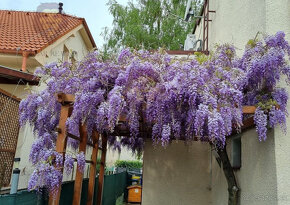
column 189, row 174
column 234, row 22
column 256, row 178
column 113, row 155
column 278, row 18
column 264, row 178
column 177, row 174
column 73, row 41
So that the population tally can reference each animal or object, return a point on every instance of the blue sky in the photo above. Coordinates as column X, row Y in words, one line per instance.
column 94, row 11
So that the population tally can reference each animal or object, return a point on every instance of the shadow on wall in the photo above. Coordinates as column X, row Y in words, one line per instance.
column 177, row 174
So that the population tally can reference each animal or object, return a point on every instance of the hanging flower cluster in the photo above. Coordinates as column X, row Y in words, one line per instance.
column 174, row 99
column 265, row 62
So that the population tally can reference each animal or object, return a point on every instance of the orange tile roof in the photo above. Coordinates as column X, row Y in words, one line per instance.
column 33, row 31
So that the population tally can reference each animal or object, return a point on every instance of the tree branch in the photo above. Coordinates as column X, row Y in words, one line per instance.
column 230, row 176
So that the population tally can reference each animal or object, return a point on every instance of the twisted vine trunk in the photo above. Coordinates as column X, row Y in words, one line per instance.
column 233, row 189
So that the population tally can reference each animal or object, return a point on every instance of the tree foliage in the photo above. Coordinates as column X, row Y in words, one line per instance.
column 148, row 24
column 129, row 164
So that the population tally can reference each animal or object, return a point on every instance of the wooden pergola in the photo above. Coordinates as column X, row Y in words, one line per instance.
column 67, row 101
column 61, row 143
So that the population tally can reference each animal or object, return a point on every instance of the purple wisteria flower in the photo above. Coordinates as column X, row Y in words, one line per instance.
column 81, row 161
column 173, row 98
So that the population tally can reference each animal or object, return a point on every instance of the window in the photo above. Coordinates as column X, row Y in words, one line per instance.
column 65, row 54
column 236, row 158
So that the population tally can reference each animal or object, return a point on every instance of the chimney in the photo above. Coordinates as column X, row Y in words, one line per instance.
column 60, row 8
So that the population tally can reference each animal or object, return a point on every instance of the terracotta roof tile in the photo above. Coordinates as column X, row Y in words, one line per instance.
column 33, row 31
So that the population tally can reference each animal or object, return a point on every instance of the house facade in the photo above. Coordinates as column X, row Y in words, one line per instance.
column 186, row 174
column 29, row 40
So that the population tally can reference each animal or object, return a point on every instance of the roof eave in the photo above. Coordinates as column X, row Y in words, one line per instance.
column 14, row 51
column 89, row 33
column 13, row 76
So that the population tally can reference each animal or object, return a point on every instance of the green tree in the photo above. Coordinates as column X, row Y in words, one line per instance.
column 148, row 24
column 129, row 164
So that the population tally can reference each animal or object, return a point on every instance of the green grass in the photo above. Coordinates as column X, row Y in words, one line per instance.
column 120, row 200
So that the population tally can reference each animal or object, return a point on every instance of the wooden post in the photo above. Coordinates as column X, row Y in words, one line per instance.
column 61, row 141
column 79, row 175
column 93, row 168
column 102, row 169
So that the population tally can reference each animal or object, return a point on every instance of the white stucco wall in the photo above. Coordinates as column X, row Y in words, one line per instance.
column 235, row 22
column 238, row 21
column 177, row 175
column 256, row 178
column 264, row 177
column 278, row 18
column 113, row 155
column 189, row 174
column 73, row 41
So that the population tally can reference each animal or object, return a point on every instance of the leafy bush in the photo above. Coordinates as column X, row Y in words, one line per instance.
column 129, row 164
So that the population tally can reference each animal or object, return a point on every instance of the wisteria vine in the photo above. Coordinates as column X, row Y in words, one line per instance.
column 175, row 98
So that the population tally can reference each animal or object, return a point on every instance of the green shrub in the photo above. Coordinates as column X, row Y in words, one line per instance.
column 129, row 164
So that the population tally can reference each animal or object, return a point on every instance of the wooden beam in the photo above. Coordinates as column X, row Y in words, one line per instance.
column 4, row 92
column 61, row 142
column 15, row 75
column 79, row 139
column 79, row 175
column 248, row 123
column 182, row 52
column 73, row 137
column 68, row 98
column 249, row 109
column 102, row 169
column 65, row 98
column 7, row 150
column 93, row 169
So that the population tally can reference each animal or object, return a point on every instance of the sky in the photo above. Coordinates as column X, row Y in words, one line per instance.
column 94, row 11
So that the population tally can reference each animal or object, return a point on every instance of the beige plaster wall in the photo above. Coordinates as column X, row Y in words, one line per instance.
column 278, row 18
column 235, row 22
column 177, row 175
column 264, row 177
column 189, row 174
column 113, row 155
column 73, row 41
column 256, row 178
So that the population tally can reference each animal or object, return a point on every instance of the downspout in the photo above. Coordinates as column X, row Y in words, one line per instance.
column 24, row 60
